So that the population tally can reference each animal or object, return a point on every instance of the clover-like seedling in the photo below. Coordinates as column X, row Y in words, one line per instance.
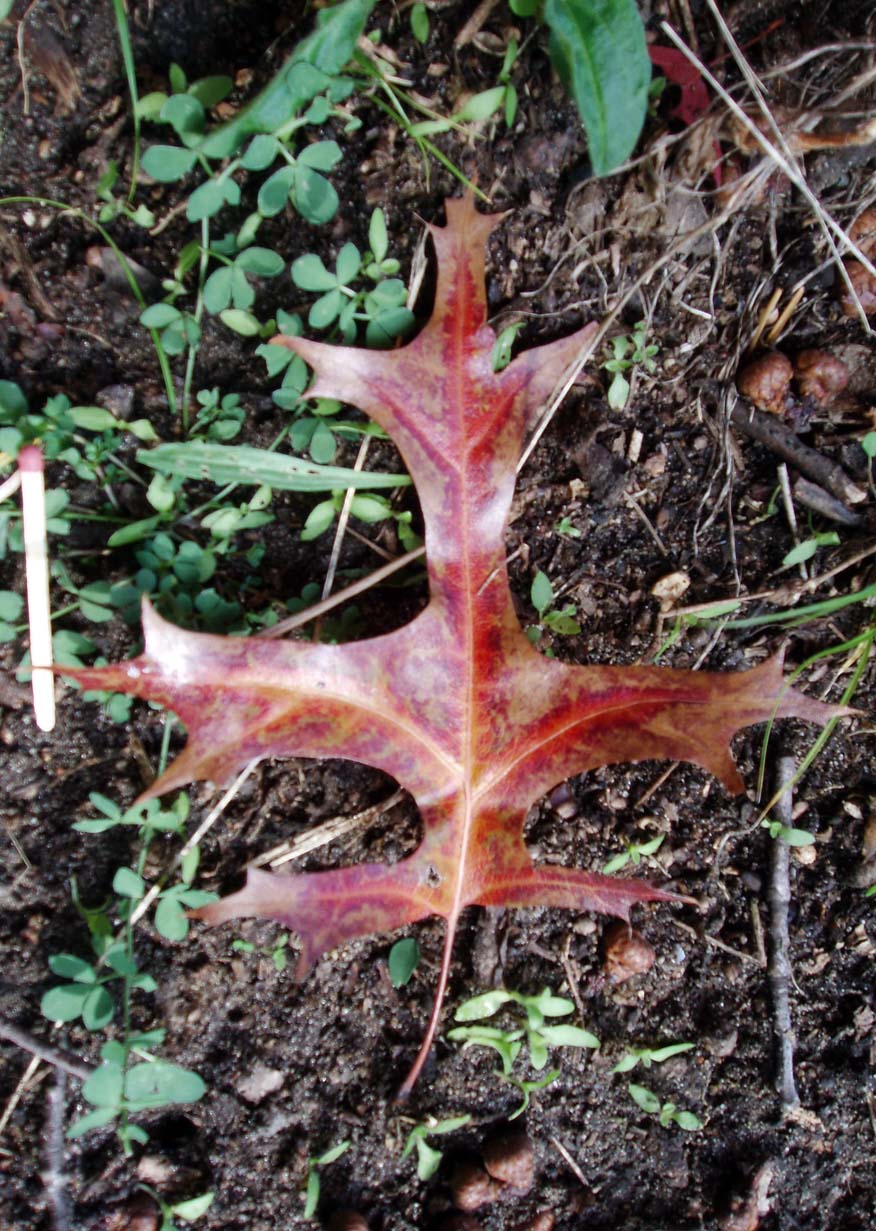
column 561, row 620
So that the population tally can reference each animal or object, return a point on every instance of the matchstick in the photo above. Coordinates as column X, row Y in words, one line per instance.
column 36, row 560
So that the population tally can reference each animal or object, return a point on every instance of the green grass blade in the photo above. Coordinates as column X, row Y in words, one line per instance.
column 257, row 467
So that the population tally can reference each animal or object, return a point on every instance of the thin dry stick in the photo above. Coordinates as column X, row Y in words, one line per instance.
column 193, row 840
column 44, row 1051
column 780, row 973
column 342, row 522
column 608, row 322
column 343, row 596
column 782, row 157
column 15, row 1097
column 561, row 1149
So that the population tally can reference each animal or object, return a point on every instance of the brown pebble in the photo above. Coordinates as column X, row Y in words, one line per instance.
column 865, row 288
column 508, row 1157
column 542, row 1221
column 765, row 381
column 863, row 231
column 820, row 375
column 347, row 1220
column 471, row 1187
column 625, row 952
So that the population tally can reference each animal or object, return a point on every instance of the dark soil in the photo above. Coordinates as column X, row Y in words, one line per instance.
column 663, row 486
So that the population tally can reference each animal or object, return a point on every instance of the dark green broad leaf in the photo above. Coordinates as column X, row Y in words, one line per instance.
column 242, row 464
column 598, row 48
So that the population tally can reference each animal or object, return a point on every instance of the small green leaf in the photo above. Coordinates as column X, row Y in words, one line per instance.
column 313, row 196
column 159, row 315
column 484, row 1005
column 193, row 1208
column 688, row 1121
column 92, row 1119
column 263, row 262
column 168, row 163
column 104, row 1087
column 541, row 592
column 419, row 25
column 568, row 1036
column 428, row 1159
column 64, row 1004
column 241, row 322
column 128, row 884
column 310, row 274
column 274, row 192
column 378, row 240
column 217, row 290
column 170, row 919
column 159, row 1083
column 98, row 1009
column 646, row 1099
column 93, row 418
column 403, row 959
column 11, row 605
column 70, row 967
column 260, row 153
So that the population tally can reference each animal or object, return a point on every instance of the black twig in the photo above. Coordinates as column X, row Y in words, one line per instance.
column 38, row 1047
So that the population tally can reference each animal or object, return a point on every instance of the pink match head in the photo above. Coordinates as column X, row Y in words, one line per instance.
column 30, row 459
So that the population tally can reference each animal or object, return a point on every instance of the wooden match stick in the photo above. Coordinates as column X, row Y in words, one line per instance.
column 36, row 563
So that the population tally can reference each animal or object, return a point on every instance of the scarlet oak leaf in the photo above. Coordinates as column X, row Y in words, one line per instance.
column 457, row 705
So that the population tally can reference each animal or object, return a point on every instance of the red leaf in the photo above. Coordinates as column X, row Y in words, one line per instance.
column 457, row 706
column 679, row 71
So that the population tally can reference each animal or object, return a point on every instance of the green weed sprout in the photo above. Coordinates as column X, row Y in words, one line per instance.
column 667, row 1113
column 428, row 1158
column 561, row 620
column 508, row 1043
column 629, row 351
column 646, row 1056
column 189, row 1210
column 633, row 852
column 311, row 1192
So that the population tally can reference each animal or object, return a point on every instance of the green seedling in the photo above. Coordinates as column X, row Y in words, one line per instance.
column 566, row 529
column 189, row 1210
column 561, row 620
column 428, row 1158
column 528, row 1088
column 504, row 345
column 539, row 1036
column 341, row 306
column 634, row 853
column 311, row 1191
column 117, row 1090
column 278, row 953
column 786, row 833
column 404, row 957
column 420, row 22
column 667, row 1113
column 808, row 548
column 646, row 1056
column 629, row 351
